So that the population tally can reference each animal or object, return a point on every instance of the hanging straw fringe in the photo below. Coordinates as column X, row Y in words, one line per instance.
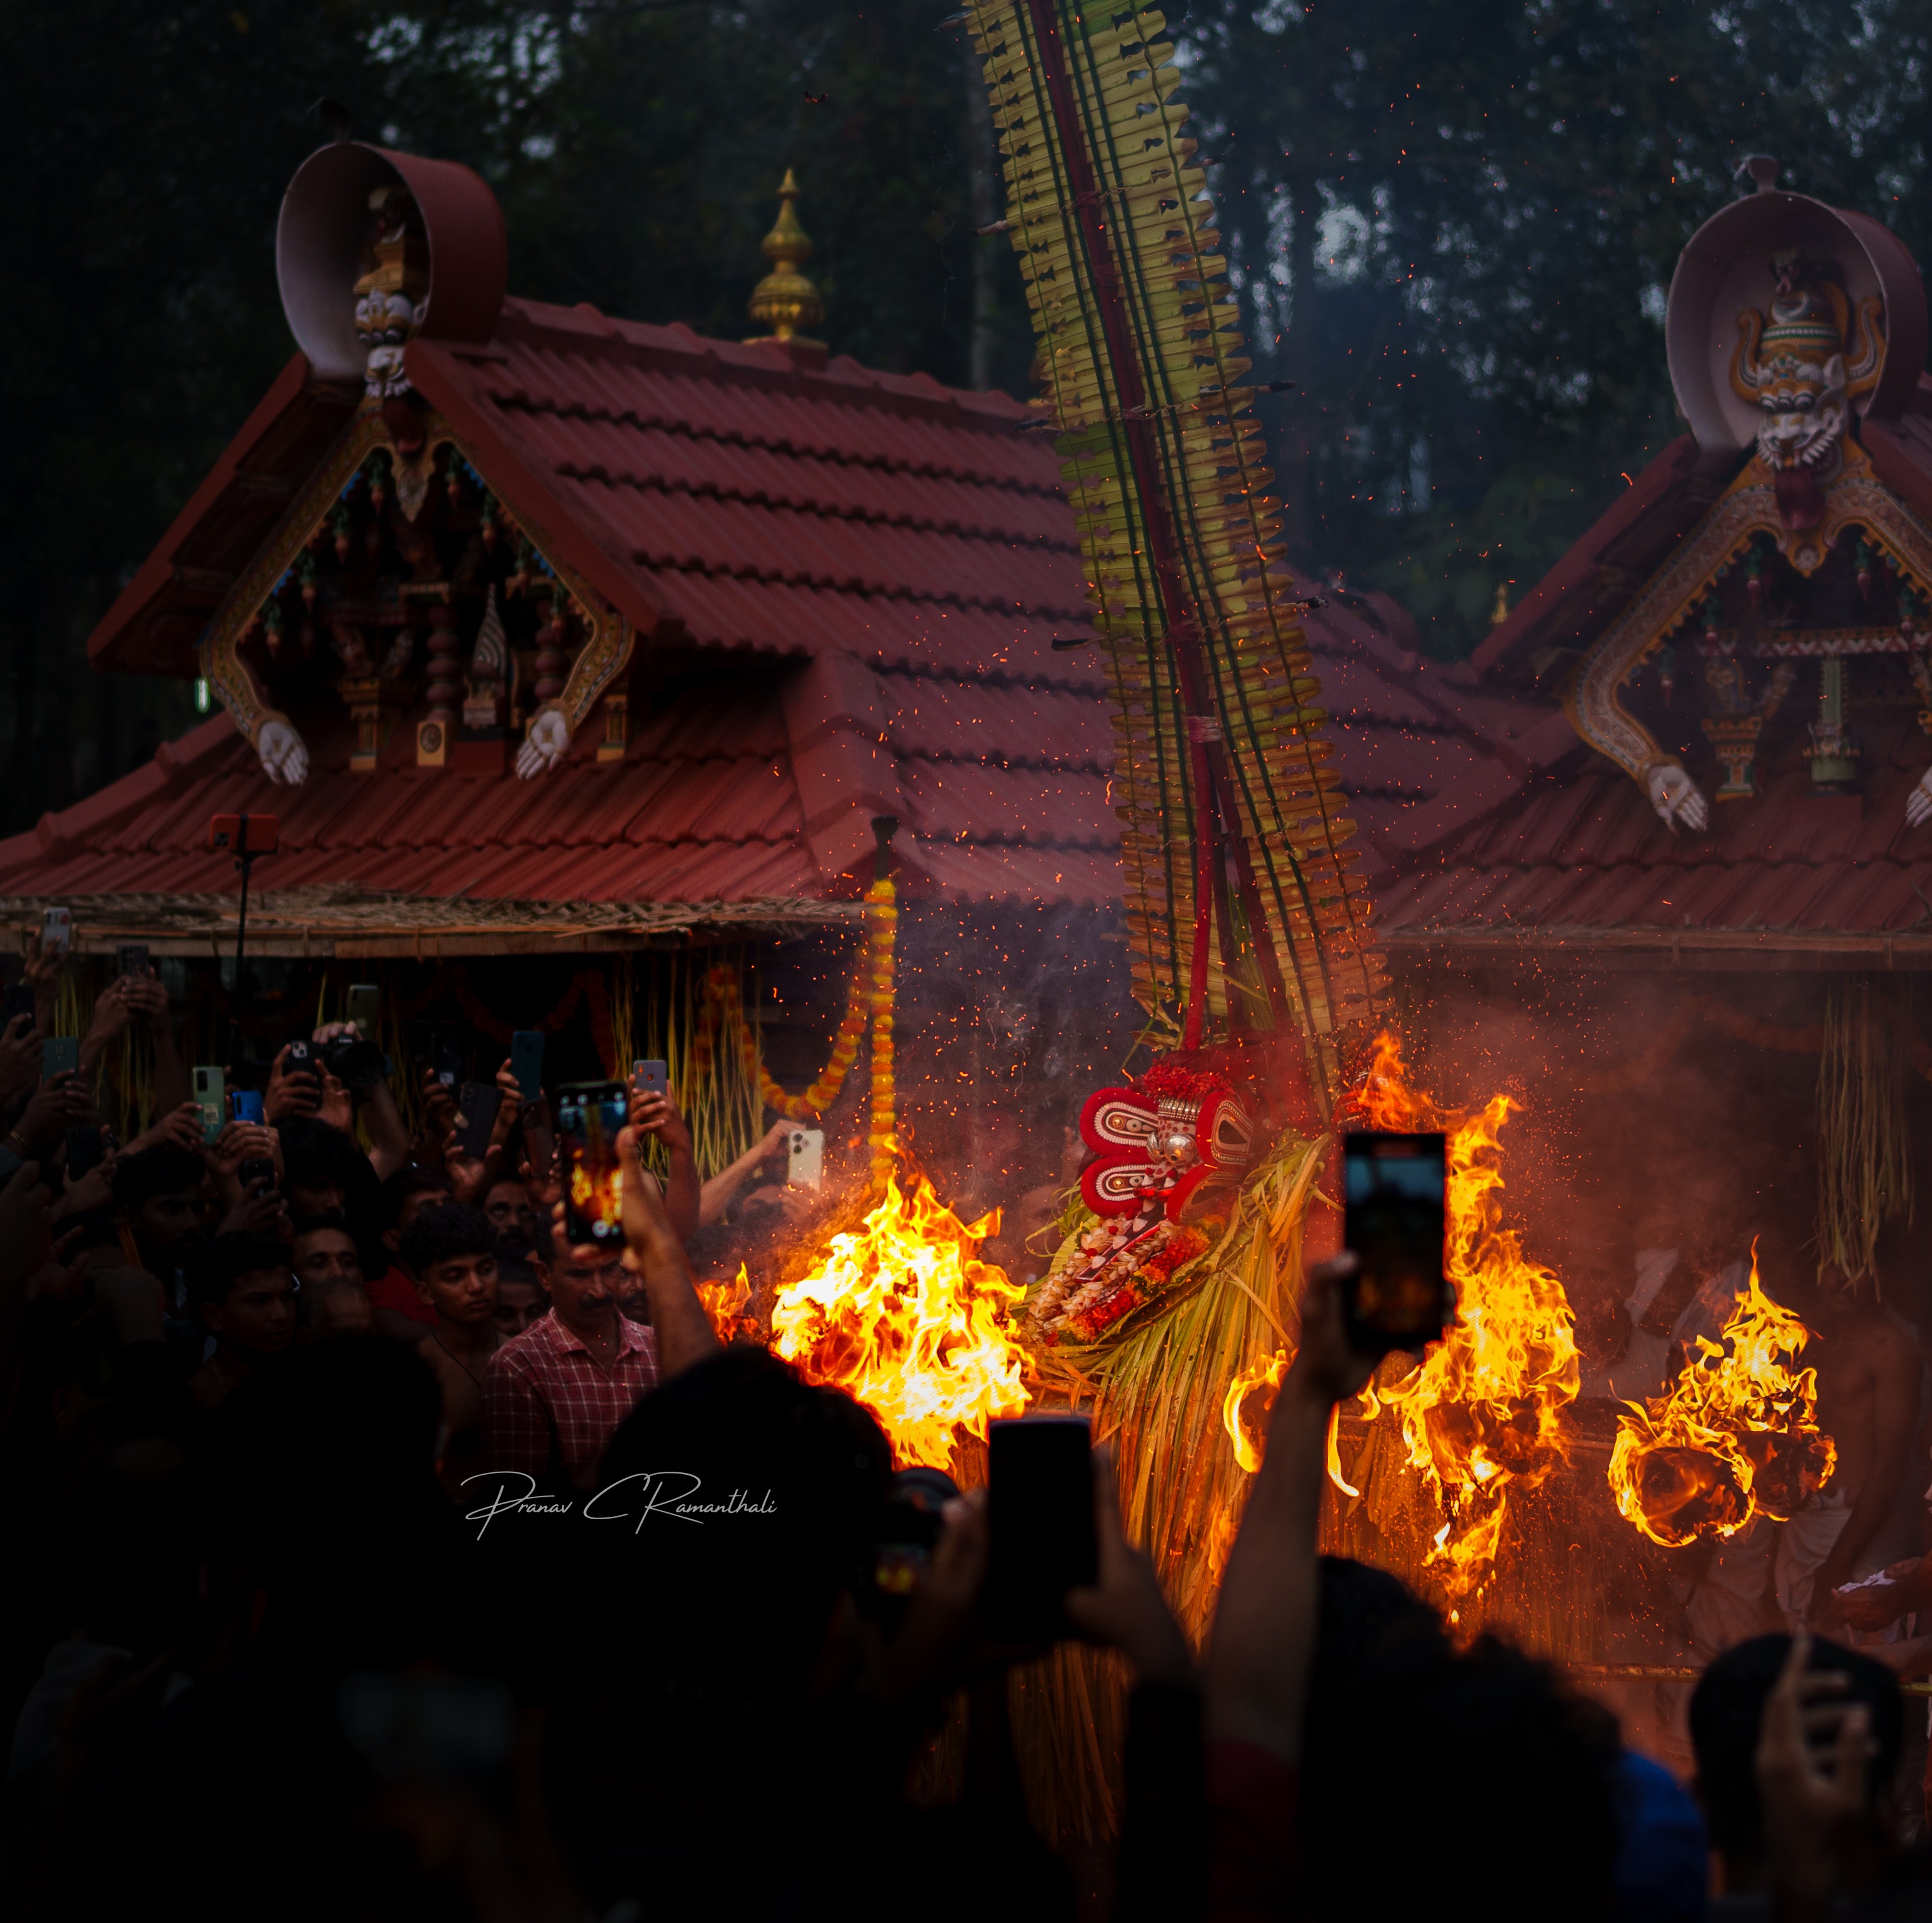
column 1156, row 1396
column 1865, row 1167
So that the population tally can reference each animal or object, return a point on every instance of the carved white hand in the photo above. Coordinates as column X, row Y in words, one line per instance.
column 284, row 755
column 1676, row 797
column 544, row 746
column 1919, row 803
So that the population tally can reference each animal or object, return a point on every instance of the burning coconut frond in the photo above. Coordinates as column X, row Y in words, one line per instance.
column 1736, row 1437
column 1484, row 1410
column 728, row 1304
column 903, row 1315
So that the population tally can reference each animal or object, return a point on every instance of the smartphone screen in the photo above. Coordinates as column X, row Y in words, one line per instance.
column 478, row 1105
column 132, row 957
column 210, row 1098
column 527, row 1054
column 589, row 1115
column 246, row 1104
column 1040, row 1521
column 60, row 1054
column 365, row 1008
column 1393, row 1220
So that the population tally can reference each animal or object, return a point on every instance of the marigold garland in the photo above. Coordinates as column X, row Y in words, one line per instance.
column 869, row 998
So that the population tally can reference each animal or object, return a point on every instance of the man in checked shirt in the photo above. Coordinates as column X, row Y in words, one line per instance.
column 553, row 1396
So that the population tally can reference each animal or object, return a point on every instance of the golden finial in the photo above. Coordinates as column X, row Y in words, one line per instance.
column 785, row 300
column 1500, row 613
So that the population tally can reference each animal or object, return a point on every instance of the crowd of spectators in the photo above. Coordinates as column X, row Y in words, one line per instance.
column 374, row 1551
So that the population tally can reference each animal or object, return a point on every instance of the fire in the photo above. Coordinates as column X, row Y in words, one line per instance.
column 1483, row 1409
column 1736, row 1437
column 725, row 1303
column 904, row 1316
column 1264, row 1375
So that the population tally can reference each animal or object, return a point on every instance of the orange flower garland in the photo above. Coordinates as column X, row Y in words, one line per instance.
column 863, row 1003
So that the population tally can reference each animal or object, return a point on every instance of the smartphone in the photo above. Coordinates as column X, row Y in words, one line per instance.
column 446, row 1055
column 1392, row 1220
column 651, row 1078
column 245, row 1105
column 131, row 958
column 526, row 1062
column 57, row 931
column 19, row 1002
column 365, row 1008
column 84, row 1152
column 478, row 1105
column 1039, row 1515
column 60, row 1054
column 589, row 1115
column 210, row 1098
column 254, row 1169
column 301, row 1060
column 805, row 1158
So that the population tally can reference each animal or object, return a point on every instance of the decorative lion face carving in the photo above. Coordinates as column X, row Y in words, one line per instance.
column 1801, row 367
column 384, row 323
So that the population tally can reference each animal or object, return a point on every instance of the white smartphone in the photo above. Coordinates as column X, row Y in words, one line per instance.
column 805, row 1158
column 57, row 931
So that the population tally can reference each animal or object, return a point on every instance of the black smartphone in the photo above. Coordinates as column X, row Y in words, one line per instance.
column 131, row 958
column 589, row 1115
column 1393, row 1220
column 84, row 1152
column 526, row 1052
column 478, row 1105
column 60, row 1054
column 1039, row 1517
column 19, row 1002
column 301, row 1060
column 446, row 1055
column 254, row 1169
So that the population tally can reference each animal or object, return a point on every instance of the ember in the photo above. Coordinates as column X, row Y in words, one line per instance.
column 1484, row 1408
column 1736, row 1437
column 903, row 1315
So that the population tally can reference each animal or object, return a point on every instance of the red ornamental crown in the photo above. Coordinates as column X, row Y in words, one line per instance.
column 1160, row 1138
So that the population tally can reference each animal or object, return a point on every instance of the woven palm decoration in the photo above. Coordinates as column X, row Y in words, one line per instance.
column 1244, row 915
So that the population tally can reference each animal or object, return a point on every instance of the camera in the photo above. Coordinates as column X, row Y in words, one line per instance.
column 910, row 1522
column 355, row 1064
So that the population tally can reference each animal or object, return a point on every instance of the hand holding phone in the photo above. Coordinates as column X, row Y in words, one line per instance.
column 805, row 1158
column 246, row 1104
column 210, row 1098
column 526, row 1061
column 477, row 1105
column 131, row 958
column 60, row 1055
column 1392, row 1222
column 1041, row 1540
column 589, row 1117
column 650, row 1078
column 365, row 1008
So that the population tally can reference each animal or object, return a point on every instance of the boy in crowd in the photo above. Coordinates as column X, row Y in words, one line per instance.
column 157, row 1195
column 329, row 1271
column 242, row 1289
column 451, row 1251
column 396, row 1309
column 521, row 1295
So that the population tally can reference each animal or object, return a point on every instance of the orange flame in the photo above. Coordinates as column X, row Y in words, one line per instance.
column 1737, row 1436
column 1247, row 1436
column 724, row 1303
column 904, row 1316
column 1483, row 1409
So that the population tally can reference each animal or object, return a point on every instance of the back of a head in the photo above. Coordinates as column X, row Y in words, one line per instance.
column 1727, row 1713
column 1399, row 1723
column 312, row 1151
column 810, row 1467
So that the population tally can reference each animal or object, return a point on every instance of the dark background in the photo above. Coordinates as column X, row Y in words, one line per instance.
column 1453, row 228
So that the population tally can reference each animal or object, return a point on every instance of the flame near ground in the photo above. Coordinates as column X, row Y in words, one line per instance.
column 1483, row 1411
column 903, row 1315
column 1736, row 1436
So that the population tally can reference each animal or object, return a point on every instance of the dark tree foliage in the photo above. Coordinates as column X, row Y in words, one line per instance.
column 1454, row 226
